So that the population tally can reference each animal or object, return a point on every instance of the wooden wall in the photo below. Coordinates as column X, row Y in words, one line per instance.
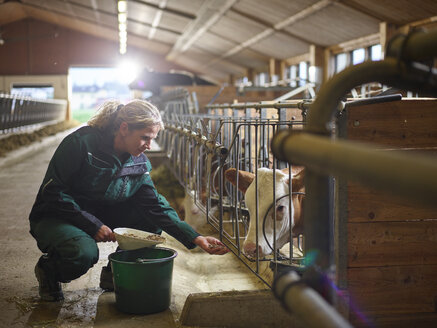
column 39, row 48
column 392, row 243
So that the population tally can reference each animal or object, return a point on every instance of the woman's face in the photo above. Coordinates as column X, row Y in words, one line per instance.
column 136, row 142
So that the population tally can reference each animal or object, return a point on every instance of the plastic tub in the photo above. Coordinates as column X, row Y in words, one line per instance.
column 143, row 279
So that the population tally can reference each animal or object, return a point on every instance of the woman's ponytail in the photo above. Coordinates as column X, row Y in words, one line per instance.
column 106, row 115
column 139, row 114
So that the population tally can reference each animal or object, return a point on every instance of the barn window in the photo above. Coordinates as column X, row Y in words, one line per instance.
column 303, row 73
column 293, row 75
column 358, row 56
column 38, row 91
column 375, row 52
column 261, row 79
column 341, row 61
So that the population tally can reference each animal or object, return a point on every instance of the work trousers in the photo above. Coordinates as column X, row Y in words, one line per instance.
column 70, row 251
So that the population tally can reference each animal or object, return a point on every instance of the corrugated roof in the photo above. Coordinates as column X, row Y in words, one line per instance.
column 220, row 37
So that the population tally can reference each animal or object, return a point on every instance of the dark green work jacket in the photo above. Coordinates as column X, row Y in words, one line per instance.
column 84, row 171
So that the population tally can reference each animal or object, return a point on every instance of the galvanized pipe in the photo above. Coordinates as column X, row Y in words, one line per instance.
column 306, row 304
column 390, row 72
column 278, row 105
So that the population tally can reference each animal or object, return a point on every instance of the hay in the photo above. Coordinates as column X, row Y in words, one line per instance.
column 168, row 186
column 16, row 141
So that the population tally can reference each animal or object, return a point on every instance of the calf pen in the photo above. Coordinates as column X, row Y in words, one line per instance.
column 202, row 147
column 18, row 113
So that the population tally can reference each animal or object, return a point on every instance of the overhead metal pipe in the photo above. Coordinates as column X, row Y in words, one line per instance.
column 297, row 104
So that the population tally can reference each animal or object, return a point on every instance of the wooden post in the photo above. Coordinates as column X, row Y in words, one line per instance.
column 317, row 64
column 386, row 31
column 231, row 79
column 250, row 73
column 275, row 68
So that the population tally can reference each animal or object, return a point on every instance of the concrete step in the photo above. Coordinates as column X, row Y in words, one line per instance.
column 249, row 308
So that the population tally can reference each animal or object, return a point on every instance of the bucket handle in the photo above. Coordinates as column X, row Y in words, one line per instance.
column 139, row 260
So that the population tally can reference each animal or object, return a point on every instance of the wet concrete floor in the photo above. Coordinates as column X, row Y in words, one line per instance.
column 85, row 304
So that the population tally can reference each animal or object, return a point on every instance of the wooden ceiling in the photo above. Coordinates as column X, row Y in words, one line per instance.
column 218, row 38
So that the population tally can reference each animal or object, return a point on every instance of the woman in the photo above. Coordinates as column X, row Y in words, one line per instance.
column 97, row 180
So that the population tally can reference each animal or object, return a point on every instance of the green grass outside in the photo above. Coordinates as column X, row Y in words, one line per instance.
column 83, row 115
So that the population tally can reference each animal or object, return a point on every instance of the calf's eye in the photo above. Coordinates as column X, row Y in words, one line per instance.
column 280, row 208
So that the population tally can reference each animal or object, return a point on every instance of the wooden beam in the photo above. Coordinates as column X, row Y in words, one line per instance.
column 206, row 17
column 297, row 59
column 268, row 25
column 11, row 12
column 363, row 42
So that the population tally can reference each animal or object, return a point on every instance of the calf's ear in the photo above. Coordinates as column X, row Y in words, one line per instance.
column 244, row 178
column 295, row 169
column 297, row 182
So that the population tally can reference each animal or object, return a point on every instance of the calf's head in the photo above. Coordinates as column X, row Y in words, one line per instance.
column 266, row 208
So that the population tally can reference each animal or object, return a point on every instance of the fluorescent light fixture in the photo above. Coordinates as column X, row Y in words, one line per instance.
column 122, row 35
column 122, row 6
column 122, row 25
column 122, row 17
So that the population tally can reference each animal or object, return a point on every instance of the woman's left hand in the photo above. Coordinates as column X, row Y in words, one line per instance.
column 211, row 245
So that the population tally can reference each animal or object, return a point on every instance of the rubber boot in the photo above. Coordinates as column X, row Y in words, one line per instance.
column 49, row 288
column 106, row 282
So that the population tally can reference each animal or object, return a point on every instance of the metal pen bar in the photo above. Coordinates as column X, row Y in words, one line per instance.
column 277, row 105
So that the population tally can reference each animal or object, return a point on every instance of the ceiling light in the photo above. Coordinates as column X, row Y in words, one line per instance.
column 122, row 18
column 122, row 25
column 122, row 6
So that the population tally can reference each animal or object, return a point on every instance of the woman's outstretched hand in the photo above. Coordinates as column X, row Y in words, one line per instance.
column 211, row 245
column 104, row 234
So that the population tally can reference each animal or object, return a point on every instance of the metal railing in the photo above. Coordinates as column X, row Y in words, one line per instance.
column 19, row 112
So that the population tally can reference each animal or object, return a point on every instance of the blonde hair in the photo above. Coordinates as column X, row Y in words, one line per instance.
column 138, row 114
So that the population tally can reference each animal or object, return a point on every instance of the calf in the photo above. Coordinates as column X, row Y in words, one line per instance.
column 246, row 184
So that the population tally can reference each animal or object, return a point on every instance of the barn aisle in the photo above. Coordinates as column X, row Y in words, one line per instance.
column 85, row 303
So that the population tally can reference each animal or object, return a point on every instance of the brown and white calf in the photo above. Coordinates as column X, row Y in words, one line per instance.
column 266, row 194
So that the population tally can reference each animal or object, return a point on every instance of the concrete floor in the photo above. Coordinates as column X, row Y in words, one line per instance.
column 85, row 305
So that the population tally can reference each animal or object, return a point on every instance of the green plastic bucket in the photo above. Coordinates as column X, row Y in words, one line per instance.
column 142, row 279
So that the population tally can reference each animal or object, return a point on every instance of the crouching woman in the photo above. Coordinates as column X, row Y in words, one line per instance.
column 97, row 180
